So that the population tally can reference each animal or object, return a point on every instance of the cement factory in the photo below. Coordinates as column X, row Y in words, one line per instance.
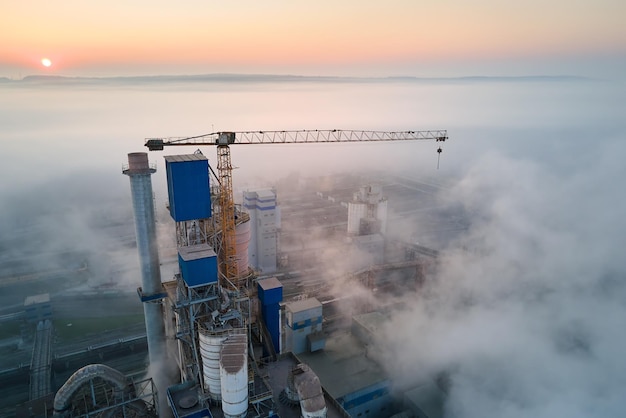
column 249, row 325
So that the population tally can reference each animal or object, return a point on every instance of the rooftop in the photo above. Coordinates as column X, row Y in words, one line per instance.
column 343, row 366
column 304, row 305
column 277, row 373
column 184, row 398
column 270, row 283
column 366, row 239
column 372, row 321
column 428, row 398
column 184, row 158
column 196, row 252
column 266, row 194
column 35, row 299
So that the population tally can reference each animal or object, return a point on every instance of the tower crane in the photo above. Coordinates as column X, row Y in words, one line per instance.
column 223, row 140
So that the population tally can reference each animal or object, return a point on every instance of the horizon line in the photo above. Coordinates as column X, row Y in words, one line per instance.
column 288, row 77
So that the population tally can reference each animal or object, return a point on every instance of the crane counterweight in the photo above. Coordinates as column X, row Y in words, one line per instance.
column 155, row 144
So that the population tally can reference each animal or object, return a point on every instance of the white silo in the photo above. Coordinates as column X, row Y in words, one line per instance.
column 367, row 212
column 264, row 213
column 234, row 376
column 210, row 346
column 356, row 211
column 381, row 215
column 242, row 241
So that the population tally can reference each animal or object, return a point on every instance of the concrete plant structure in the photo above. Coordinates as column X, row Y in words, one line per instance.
column 245, row 335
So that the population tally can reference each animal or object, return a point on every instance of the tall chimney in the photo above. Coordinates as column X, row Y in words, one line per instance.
column 139, row 172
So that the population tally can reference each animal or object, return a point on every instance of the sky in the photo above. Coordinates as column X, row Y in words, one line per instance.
column 347, row 38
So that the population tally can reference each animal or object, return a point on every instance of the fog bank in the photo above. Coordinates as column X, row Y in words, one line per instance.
column 527, row 315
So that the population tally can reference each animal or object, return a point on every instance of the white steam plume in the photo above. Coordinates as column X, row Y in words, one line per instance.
column 528, row 312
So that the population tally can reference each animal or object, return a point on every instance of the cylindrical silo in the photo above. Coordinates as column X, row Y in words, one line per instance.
column 139, row 172
column 242, row 241
column 356, row 212
column 381, row 215
column 234, row 376
column 210, row 345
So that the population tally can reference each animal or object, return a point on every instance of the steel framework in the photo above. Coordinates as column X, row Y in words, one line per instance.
column 226, row 217
column 296, row 137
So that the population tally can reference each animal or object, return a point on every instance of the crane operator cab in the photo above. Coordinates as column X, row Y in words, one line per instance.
column 225, row 138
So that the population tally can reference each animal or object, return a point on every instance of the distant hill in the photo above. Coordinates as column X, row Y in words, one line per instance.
column 257, row 78
column 179, row 78
column 497, row 78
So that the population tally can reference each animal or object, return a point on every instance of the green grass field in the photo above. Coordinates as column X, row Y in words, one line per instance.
column 81, row 327
column 9, row 329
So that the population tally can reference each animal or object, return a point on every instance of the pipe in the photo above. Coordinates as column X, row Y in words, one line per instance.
column 63, row 398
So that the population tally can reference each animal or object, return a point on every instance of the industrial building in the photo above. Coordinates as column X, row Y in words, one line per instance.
column 265, row 216
column 232, row 334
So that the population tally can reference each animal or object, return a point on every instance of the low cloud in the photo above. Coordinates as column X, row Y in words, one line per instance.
column 70, row 224
column 526, row 316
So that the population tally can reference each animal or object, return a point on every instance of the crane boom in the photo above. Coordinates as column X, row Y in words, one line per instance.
column 226, row 213
column 294, row 137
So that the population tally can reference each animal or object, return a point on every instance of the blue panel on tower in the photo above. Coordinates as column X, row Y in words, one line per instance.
column 198, row 265
column 188, row 186
column 271, row 318
column 270, row 291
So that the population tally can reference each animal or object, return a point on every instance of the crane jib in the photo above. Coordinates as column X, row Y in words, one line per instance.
column 294, row 137
column 228, row 272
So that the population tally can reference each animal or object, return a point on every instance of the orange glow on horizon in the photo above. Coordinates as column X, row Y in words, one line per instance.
column 322, row 34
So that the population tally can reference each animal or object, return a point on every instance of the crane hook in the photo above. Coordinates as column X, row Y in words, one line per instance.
column 439, row 151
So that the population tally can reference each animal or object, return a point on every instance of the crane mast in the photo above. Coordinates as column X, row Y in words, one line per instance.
column 227, row 211
column 223, row 140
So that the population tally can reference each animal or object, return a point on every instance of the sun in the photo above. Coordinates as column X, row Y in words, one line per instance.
column 46, row 62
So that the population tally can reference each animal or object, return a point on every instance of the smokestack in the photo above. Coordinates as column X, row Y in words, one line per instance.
column 139, row 172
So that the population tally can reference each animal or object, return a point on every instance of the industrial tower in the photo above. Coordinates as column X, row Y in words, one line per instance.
column 211, row 308
column 140, row 171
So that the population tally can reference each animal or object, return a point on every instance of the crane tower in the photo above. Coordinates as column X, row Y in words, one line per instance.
column 223, row 141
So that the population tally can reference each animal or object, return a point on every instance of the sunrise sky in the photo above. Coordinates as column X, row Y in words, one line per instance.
column 347, row 37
